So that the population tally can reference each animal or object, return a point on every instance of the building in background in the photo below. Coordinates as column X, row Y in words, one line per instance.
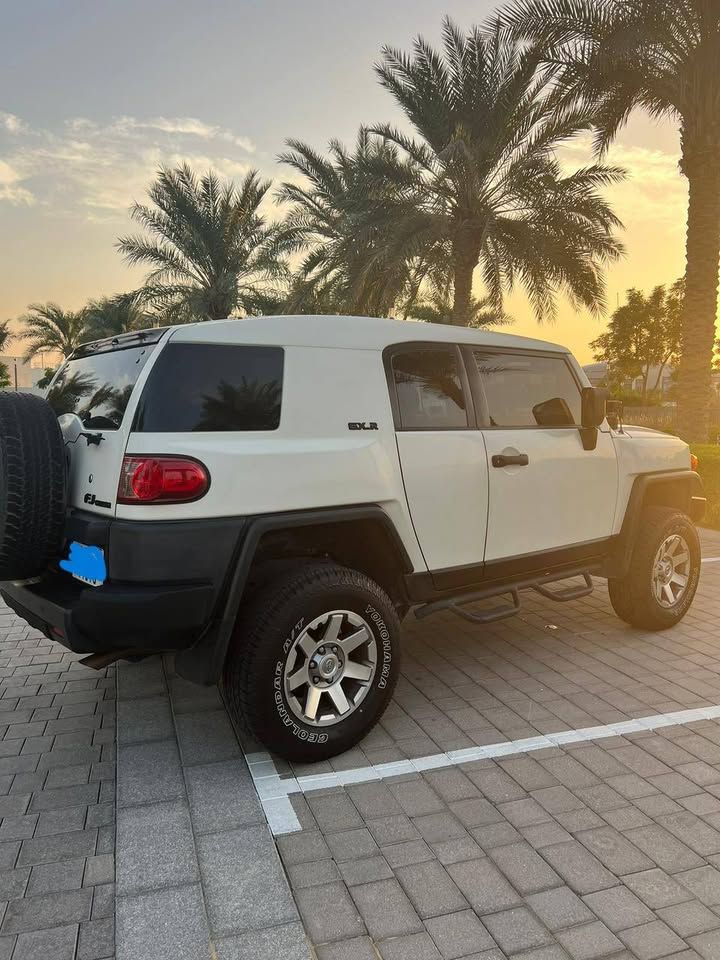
column 24, row 376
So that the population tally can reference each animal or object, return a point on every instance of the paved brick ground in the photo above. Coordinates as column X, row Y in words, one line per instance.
column 57, row 792
column 198, row 874
column 603, row 849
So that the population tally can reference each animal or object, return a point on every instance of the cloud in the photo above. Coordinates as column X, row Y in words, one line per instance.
column 11, row 123
column 10, row 189
column 654, row 191
column 95, row 171
column 186, row 126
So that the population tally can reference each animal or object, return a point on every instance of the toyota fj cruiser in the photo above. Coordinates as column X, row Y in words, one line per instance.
column 269, row 497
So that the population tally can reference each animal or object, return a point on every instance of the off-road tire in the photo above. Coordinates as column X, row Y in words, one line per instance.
column 633, row 598
column 263, row 637
column 32, row 486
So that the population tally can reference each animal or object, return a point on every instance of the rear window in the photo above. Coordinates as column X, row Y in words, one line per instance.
column 97, row 387
column 212, row 387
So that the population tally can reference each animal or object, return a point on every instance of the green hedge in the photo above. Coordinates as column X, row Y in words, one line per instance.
column 709, row 469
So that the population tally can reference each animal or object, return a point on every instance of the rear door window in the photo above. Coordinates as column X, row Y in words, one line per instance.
column 202, row 387
column 429, row 389
column 528, row 391
column 97, row 386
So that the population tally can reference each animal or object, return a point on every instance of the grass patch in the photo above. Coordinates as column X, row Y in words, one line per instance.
column 709, row 469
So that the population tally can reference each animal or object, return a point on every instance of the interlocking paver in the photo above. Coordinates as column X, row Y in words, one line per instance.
column 149, row 772
column 48, row 910
column 459, row 934
column 484, row 886
column 657, row 889
column 589, row 941
column 664, row 849
column 343, row 922
column 704, row 883
column 578, row 867
column 155, row 847
column 184, row 930
column 430, row 889
column 243, row 882
column 688, row 919
column 58, row 943
column 652, row 940
column 516, row 929
column 386, row 910
column 358, row 948
column 619, row 908
column 559, row 908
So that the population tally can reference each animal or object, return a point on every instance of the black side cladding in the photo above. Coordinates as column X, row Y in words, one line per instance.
column 32, row 486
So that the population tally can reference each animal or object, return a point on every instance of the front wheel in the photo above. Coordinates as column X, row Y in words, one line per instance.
column 664, row 571
column 314, row 661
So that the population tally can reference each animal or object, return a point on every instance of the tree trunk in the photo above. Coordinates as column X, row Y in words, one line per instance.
column 701, row 296
column 466, row 252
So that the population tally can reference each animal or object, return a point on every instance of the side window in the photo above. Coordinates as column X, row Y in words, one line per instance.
column 528, row 391
column 429, row 390
column 207, row 387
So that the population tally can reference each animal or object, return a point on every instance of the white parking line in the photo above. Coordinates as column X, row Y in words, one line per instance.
column 275, row 791
column 710, row 560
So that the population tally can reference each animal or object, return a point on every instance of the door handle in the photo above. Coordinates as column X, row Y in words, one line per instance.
column 519, row 460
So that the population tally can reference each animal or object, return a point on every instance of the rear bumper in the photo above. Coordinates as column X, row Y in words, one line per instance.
column 114, row 616
column 167, row 582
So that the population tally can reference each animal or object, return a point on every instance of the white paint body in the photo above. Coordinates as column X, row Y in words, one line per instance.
column 449, row 505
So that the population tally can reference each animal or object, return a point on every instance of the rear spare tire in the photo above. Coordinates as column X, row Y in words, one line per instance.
column 32, row 486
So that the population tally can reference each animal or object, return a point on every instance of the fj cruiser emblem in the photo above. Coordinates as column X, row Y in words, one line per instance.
column 93, row 501
column 363, row 425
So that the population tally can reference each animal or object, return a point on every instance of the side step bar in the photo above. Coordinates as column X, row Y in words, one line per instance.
column 456, row 604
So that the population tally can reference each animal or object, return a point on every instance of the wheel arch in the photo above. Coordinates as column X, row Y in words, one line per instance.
column 681, row 489
column 361, row 537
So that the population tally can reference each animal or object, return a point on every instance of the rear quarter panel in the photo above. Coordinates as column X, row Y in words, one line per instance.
column 312, row 460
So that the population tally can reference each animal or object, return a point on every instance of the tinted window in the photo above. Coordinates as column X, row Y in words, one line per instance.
column 97, row 387
column 207, row 387
column 526, row 391
column 429, row 390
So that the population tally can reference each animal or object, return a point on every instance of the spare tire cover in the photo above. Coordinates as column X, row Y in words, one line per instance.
column 32, row 486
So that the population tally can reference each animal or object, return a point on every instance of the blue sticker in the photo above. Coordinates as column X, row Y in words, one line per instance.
column 85, row 563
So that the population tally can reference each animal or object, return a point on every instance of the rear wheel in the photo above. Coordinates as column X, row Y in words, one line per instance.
column 664, row 571
column 32, row 486
column 314, row 661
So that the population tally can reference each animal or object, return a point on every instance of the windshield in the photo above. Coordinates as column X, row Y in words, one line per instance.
column 97, row 387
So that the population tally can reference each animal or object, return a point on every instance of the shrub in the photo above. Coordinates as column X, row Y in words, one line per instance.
column 709, row 469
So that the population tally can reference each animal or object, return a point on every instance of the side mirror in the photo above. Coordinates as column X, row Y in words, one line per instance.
column 593, row 406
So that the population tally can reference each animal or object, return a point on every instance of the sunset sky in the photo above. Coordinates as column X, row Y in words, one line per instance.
column 95, row 94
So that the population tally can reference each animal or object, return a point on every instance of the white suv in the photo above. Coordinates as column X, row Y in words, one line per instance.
column 269, row 497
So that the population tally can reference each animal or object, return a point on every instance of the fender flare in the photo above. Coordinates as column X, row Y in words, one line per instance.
column 692, row 502
column 203, row 662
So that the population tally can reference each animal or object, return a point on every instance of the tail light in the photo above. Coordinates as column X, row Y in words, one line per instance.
column 694, row 462
column 146, row 479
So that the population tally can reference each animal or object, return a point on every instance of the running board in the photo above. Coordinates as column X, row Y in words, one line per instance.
column 494, row 614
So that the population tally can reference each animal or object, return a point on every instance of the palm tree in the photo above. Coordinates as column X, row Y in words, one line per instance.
column 50, row 329
column 5, row 337
column 437, row 307
column 210, row 249
column 337, row 218
column 110, row 316
column 482, row 179
column 618, row 55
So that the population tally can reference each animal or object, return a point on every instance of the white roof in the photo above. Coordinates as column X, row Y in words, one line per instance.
column 352, row 333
